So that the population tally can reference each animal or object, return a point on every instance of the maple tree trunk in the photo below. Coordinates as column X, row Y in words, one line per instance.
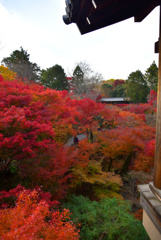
column 110, row 164
column 126, row 163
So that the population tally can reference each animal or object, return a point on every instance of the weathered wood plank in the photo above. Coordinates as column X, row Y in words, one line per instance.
column 151, row 204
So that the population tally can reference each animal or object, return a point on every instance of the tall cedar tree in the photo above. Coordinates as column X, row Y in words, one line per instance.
column 85, row 81
column 19, row 62
column 78, row 85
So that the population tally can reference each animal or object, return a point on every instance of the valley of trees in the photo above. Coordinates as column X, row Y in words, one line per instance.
column 51, row 190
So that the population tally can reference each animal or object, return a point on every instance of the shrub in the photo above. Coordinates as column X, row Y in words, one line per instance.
column 108, row 219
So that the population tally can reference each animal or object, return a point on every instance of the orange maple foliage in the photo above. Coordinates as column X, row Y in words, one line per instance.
column 130, row 145
column 32, row 219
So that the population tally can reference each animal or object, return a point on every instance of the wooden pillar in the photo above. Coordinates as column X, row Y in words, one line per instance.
column 157, row 161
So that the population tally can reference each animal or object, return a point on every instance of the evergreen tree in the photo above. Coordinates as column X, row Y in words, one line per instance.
column 54, row 77
column 107, row 90
column 151, row 76
column 84, row 80
column 119, row 91
column 109, row 219
column 19, row 62
column 136, row 87
column 77, row 84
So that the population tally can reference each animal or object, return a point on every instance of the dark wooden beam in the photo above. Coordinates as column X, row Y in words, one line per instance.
column 145, row 10
column 156, row 47
column 157, row 160
column 106, row 13
column 103, row 13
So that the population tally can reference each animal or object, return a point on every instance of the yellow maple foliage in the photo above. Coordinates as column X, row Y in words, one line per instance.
column 7, row 74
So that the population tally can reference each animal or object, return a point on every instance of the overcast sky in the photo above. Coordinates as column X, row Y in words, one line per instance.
column 113, row 51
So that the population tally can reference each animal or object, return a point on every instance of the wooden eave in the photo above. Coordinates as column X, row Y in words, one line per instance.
column 92, row 16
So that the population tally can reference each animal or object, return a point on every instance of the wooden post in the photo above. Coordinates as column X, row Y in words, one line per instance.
column 157, row 161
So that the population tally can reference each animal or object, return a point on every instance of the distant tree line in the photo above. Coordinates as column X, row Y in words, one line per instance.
column 84, row 82
column 137, row 87
column 83, row 78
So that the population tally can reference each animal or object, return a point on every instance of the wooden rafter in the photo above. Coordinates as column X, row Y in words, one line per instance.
column 90, row 15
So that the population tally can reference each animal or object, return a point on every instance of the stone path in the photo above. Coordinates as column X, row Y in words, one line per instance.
column 79, row 136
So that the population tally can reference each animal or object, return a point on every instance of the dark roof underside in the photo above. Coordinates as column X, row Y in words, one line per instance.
column 90, row 15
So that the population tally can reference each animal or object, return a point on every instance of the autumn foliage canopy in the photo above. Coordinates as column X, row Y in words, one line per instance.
column 35, row 126
column 31, row 218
